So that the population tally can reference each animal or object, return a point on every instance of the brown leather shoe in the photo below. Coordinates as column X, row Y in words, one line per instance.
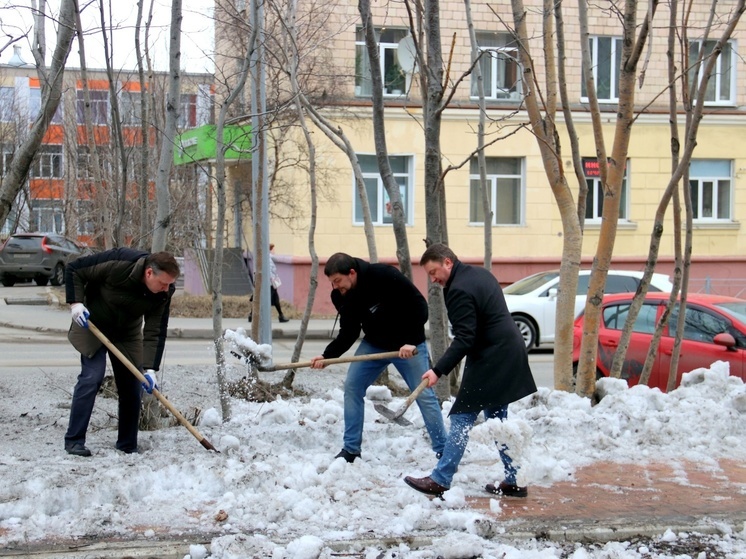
column 425, row 485
column 507, row 490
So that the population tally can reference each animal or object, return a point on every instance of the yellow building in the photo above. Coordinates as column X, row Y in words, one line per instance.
column 527, row 231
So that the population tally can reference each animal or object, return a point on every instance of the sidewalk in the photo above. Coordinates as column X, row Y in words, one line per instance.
column 604, row 502
column 35, row 313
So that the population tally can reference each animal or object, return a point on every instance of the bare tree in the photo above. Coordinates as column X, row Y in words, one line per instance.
column 51, row 79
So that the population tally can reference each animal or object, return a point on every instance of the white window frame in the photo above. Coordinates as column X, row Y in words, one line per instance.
column 99, row 106
column 496, row 57
column 47, row 163
column 595, row 197
column 46, row 212
column 613, row 70
column 129, row 107
column 493, row 180
column 715, row 84
column 708, row 183
column 7, row 104
column 6, row 152
column 363, row 83
column 34, row 106
column 188, row 108
column 380, row 213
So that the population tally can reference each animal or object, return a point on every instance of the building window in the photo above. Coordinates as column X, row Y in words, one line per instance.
column 721, row 89
column 188, row 111
column 47, row 163
column 394, row 79
column 594, row 202
column 99, row 106
column 86, row 218
column 378, row 198
column 7, row 98
column 499, row 65
column 606, row 59
column 35, row 106
column 46, row 216
column 5, row 159
column 129, row 108
column 711, row 181
column 505, row 186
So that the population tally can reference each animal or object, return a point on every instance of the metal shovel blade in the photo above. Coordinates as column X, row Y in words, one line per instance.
column 392, row 415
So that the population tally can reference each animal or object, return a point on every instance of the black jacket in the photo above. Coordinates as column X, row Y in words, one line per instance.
column 496, row 370
column 110, row 284
column 388, row 308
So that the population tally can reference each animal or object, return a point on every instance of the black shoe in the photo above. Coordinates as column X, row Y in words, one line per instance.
column 130, row 451
column 507, row 490
column 77, row 449
column 283, row 319
column 348, row 456
column 425, row 485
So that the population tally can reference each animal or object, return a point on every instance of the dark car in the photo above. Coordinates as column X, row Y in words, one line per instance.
column 714, row 330
column 38, row 256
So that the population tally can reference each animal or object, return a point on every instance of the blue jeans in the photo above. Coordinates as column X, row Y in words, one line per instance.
column 461, row 424
column 362, row 374
column 84, row 396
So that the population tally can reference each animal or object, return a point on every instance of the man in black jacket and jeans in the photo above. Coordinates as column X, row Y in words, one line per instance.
column 379, row 300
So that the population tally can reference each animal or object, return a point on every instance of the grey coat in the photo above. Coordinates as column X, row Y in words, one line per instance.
column 497, row 370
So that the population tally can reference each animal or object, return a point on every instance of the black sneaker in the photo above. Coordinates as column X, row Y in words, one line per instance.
column 507, row 490
column 77, row 449
column 348, row 456
column 283, row 319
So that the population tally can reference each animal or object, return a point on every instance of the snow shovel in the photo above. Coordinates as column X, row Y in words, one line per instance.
column 330, row 361
column 161, row 398
column 398, row 415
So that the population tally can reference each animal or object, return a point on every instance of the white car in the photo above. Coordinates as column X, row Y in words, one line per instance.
column 532, row 301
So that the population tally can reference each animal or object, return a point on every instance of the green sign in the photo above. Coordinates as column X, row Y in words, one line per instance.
column 200, row 144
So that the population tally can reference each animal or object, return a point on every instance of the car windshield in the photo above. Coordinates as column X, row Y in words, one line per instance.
column 529, row 284
column 735, row 309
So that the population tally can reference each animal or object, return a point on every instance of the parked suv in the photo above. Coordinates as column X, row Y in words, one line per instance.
column 38, row 256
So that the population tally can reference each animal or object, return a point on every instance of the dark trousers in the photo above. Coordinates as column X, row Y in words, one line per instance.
column 274, row 299
column 84, row 396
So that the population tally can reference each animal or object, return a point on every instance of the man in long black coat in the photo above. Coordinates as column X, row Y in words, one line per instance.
column 496, row 371
column 391, row 312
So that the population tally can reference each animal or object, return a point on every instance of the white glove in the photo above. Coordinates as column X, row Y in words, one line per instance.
column 80, row 314
column 151, row 381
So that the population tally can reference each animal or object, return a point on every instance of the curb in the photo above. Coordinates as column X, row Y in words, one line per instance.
column 621, row 529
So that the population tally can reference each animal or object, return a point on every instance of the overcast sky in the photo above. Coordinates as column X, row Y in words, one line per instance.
column 196, row 42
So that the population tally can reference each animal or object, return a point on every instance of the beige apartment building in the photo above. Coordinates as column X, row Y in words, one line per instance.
column 527, row 231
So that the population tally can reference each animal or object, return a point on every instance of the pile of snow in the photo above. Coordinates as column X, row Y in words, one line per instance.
column 276, row 490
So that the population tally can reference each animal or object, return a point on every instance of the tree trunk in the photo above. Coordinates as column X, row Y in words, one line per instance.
column 379, row 133
column 163, row 176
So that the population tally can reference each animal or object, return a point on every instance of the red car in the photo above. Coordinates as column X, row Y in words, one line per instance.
column 715, row 330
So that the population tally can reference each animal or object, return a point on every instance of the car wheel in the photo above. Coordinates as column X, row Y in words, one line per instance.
column 599, row 375
column 58, row 275
column 41, row 280
column 527, row 330
column 8, row 281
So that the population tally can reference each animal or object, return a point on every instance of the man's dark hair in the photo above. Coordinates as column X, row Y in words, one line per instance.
column 163, row 262
column 340, row 263
column 437, row 253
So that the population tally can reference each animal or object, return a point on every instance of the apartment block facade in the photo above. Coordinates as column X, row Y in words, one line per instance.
column 526, row 226
column 62, row 194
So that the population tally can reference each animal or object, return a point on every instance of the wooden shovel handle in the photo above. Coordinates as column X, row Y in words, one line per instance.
column 161, row 398
column 332, row 361
column 412, row 397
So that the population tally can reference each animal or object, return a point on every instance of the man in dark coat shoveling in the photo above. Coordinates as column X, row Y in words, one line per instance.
column 496, row 371
column 129, row 294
